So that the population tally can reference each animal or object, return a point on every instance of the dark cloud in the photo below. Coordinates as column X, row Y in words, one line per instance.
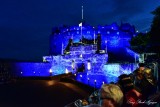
column 25, row 26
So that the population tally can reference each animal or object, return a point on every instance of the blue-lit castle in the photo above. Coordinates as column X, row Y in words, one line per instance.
column 84, row 48
column 94, row 54
column 111, row 36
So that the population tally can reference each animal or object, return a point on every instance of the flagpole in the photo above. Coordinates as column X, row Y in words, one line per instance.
column 81, row 23
column 82, row 12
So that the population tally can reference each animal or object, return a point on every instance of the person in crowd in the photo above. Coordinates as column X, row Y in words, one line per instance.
column 143, row 79
column 94, row 97
column 109, row 95
column 138, row 73
column 131, row 93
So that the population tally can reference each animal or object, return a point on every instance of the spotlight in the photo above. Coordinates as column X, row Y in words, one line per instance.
column 67, row 71
column 50, row 70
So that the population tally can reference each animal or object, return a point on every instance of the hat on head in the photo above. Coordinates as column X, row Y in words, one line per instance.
column 125, row 82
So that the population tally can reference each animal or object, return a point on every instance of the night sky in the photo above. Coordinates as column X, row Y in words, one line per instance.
column 25, row 25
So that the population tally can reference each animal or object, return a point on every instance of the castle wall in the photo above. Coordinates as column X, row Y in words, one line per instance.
column 24, row 69
column 111, row 35
column 30, row 69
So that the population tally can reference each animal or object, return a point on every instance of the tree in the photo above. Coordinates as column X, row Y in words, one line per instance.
column 155, row 27
column 140, row 40
column 151, row 40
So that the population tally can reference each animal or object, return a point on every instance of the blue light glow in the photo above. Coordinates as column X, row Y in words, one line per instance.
column 31, row 69
column 108, row 32
column 88, row 64
column 109, row 73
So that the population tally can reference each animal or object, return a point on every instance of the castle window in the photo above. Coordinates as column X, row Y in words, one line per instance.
column 117, row 33
column 89, row 65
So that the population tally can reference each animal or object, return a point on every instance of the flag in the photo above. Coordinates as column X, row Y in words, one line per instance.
column 80, row 24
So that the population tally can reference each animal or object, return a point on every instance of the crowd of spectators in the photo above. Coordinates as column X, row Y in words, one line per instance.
column 138, row 89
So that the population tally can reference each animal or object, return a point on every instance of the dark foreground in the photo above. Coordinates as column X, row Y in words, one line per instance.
column 40, row 93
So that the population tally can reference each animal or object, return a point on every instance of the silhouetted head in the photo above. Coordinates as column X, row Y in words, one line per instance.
column 141, row 65
column 125, row 82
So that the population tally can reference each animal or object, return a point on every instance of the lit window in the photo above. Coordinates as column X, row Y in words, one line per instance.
column 81, row 56
column 117, row 33
column 89, row 65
